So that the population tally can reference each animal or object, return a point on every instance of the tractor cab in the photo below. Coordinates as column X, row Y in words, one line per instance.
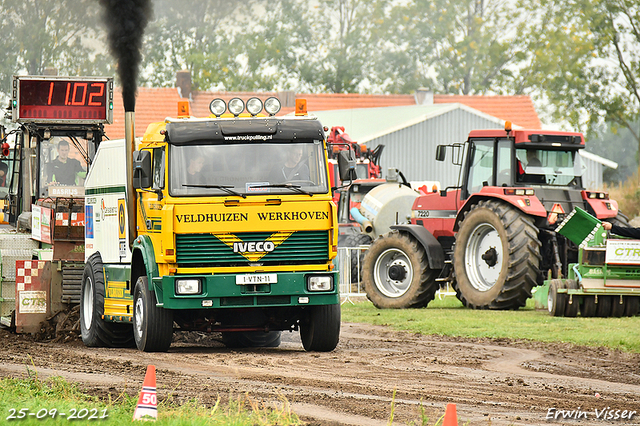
column 539, row 172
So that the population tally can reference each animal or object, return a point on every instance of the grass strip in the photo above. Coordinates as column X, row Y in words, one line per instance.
column 55, row 400
column 448, row 317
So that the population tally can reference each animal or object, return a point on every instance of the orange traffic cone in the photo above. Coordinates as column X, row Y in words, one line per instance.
column 450, row 416
column 147, row 408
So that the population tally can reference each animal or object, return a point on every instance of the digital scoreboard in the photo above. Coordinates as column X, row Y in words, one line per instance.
column 45, row 99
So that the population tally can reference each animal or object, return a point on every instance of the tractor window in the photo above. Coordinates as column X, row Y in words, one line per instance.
column 362, row 170
column 504, row 163
column 481, row 169
column 63, row 167
column 547, row 167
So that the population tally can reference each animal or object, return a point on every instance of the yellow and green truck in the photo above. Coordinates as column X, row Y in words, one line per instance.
column 220, row 224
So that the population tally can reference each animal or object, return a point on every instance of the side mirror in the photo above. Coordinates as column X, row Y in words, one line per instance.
column 441, row 152
column 347, row 165
column 141, row 169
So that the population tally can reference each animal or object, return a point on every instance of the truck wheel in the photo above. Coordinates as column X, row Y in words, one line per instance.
column 251, row 339
column 396, row 273
column 496, row 257
column 571, row 309
column 320, row 331
column 152, row 326
column 588, row 307
column 617, row 308
column 556, row 302
column 357, row 256
column 632, row 306
column 95, row 331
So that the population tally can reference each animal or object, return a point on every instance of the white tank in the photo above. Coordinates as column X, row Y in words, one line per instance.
column 386, row 205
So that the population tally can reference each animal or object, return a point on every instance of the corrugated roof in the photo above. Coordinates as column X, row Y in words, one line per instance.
column 155, row 104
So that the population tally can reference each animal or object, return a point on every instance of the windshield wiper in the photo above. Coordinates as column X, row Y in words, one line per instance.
column 225, row 188
column 284, row 185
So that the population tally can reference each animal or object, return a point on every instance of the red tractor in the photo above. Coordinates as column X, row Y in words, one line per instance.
column 493, row 236
column 367, row 160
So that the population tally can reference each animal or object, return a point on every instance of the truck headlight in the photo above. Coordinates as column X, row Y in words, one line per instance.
column 188, row 286
column 319, row 283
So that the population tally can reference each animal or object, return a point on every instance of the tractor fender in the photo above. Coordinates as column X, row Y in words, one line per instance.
column 432, row 247
column 143, row 260
column 529, row 205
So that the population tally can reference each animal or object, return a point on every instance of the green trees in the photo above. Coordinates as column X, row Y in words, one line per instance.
column 579, row 59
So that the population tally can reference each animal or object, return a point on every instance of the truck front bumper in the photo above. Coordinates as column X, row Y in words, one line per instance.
column 247, row 290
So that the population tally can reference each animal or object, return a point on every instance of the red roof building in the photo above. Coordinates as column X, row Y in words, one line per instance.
column 155, row 104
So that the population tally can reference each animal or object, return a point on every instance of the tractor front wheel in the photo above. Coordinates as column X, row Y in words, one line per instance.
column 396, row 273
column 496, row 257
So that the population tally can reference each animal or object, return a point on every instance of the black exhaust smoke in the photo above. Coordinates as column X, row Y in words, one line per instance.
column 126, row 21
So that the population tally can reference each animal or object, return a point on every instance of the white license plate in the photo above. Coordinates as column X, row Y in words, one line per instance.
column 256, row 279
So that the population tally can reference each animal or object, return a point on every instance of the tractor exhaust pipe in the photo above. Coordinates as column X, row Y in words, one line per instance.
column 129, row 137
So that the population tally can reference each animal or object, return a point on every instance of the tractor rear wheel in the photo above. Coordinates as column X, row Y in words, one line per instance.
column 556, row 302
column 572, row 306
column 496, row 257
column 396, row 273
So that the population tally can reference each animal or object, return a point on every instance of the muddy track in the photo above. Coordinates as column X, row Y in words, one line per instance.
column 491, row 381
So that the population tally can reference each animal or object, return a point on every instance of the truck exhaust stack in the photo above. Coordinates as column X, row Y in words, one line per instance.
column 129, row 136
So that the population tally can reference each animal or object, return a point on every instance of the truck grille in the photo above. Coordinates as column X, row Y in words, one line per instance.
column 208, row 250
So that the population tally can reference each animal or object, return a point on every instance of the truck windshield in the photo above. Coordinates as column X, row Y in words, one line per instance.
column 247, row 169
column 547, row 167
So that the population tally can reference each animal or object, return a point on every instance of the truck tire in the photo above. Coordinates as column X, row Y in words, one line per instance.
column 396, row 273
column 251, row 339
column 556, row 302
column 320, row 330
column 95, row 331
column 571, row 309
column 152, row 326
column 496, row 257
column 357, row 256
